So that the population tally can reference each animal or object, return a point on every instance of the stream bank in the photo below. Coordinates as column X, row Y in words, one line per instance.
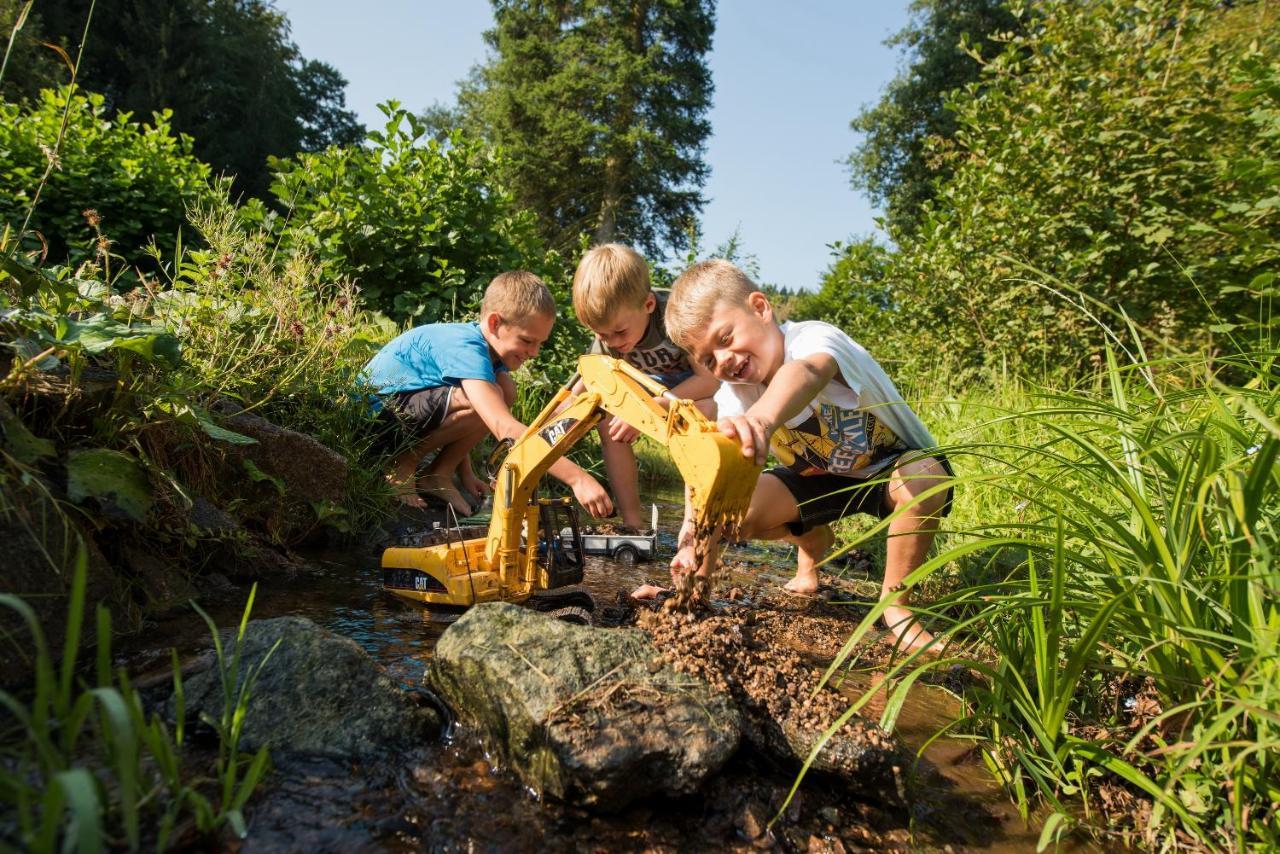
column 451, row 795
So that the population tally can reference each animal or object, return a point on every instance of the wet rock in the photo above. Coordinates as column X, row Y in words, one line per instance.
column 296, row 472
column 867, row 758
column 575, row 710
column 318, row 694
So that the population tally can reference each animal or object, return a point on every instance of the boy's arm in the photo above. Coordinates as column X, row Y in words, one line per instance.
column 697, row 387
column 487, row 400
column 792, row 388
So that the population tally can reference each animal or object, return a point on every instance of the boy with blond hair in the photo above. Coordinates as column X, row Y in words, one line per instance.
column 444, row 386
column 612, row 297
column 847, row 441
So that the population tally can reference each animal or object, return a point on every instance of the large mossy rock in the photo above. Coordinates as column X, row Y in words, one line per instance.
column 319, row 694
column 581, row 714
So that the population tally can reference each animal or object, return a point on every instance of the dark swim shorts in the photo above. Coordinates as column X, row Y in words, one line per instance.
column 407, row 417
column 824, row 498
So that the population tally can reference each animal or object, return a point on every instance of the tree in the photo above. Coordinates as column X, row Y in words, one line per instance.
column 600, row 108
column 939, row 43
column 1118, row 158
column 227, row 68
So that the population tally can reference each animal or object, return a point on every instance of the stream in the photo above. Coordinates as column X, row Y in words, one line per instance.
column 448, row 796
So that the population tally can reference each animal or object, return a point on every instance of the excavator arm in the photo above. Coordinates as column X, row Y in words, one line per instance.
column 719, row 479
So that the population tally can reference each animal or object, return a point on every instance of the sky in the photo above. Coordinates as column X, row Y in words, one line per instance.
column 788, row 79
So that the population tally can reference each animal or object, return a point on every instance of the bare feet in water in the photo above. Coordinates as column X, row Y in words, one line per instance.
column 474, row 485
column 811, row 547
column 442, row 489
column 907, row 632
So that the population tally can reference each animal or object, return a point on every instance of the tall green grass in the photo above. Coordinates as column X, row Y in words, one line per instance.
column 1112, row 580
column 84, row 768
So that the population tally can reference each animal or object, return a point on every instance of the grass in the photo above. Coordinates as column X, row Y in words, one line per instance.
column 1110, row 576
column 84, row 768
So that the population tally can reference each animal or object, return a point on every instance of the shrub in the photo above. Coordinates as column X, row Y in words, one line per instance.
column 139, row 178
column 1127, row 149
column 421, row 228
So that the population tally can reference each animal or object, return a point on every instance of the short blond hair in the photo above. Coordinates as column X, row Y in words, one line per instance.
column 609, row 277
column 517, row 295
column 698, row 291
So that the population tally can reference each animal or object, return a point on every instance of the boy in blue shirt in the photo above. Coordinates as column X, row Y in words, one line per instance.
column 444, row 386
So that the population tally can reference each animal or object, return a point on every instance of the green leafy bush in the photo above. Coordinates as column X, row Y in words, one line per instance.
column 1129, row 150
column 137, row 179
column 421, row 228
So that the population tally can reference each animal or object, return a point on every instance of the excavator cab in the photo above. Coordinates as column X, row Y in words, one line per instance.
column 559, row 542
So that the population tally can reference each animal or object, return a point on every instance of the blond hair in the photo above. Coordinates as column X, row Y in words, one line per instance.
column 698, row 291
column 609, row 277
column 517, row 295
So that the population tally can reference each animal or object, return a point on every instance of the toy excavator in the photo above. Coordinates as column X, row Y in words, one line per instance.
column 533, row 545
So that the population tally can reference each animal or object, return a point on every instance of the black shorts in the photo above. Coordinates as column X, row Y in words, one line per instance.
column 407, row 417
column 825, row 498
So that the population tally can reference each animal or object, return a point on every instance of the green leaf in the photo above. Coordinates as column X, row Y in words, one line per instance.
column 25, row 446
column 113, row 478
column 222, row 434
column 257, row 475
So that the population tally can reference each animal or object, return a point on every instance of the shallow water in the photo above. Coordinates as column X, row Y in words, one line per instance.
column 448, row 796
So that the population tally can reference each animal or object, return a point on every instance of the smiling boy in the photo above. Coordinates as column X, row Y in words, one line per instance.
column 612, row 297
column 847, row 441
column 444, row 386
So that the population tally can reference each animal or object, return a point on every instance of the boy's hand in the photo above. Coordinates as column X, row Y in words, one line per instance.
column 592, row 495
column 621, row 431
column 752, row 431
column 683, row 562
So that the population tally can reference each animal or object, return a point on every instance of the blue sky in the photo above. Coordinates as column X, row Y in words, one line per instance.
column 788, row 78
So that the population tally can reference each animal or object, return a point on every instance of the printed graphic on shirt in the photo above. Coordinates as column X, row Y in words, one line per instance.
column 833, row 440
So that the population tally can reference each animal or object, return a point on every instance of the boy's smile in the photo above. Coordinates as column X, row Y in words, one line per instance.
column 624, row 330
column 740, row 343
column 516, row 342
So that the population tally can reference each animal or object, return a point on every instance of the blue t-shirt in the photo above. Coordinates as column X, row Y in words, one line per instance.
column 433, row 355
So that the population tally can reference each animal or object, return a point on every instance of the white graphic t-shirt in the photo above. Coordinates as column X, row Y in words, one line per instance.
column 855, row 426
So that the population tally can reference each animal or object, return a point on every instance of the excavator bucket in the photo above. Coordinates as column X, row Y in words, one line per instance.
column 719, row 478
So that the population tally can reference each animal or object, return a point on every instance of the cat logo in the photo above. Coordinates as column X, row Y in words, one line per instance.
column 555, row 431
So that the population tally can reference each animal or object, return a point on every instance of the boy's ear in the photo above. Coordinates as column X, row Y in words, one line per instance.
column 650, row 303
column 490, row 321
column 760, row 305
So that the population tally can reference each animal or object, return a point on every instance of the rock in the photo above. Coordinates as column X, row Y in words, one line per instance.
column 318, row 694
column 575, row 711
column 310, row 471
column 287, row 465
column 872, row 762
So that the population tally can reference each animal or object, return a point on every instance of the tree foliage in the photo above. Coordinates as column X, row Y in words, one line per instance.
column 226, row 68
column 137, row 179
column 600, row 107
column 939, row 46
column 420, row 227
column 1114, row 159
column 854, row 293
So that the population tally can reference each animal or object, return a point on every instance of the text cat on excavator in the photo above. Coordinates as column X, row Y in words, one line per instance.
column 524, row 551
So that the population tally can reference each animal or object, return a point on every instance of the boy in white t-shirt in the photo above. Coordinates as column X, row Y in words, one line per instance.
column 847, row 441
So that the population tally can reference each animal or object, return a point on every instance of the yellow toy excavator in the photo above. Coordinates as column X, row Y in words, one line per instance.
column 533, row 545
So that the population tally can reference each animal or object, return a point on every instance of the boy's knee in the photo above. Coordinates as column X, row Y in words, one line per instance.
column 913, row 480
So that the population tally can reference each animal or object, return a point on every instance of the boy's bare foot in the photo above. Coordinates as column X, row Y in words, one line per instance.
column 812, row 547
column 442, row 489
column 474, row 485
column 411, row 499
column 908, row 632
column 647, row 591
